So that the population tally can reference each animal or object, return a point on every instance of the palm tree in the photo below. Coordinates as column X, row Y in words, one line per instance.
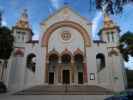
column 6, row 45
column 112, row 6
column 126, row 45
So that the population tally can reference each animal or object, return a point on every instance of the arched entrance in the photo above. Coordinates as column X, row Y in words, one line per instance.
column 78, row 59
column 53, row 63
column 66, row 68
column 71, row 24
column 66, row 61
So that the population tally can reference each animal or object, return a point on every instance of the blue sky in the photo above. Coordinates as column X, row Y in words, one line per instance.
column 39, row 10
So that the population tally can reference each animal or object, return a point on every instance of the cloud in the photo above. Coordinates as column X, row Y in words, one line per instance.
column 96, row 21
column 4, row 23
column 129, row 64
column 35, row 37
column 55, row 3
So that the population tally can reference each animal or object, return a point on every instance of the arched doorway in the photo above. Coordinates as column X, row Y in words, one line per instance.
column 53, row 63
column 78, row 58
column 66, row 61
column 71, row 24
column 51, row 30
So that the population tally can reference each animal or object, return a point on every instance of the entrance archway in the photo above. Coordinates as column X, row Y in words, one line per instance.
column 71, row 24
column 50, row 30
column 53, row 64
column 78, row 58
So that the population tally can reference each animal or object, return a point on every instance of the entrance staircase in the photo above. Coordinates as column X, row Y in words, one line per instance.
column 65, row 90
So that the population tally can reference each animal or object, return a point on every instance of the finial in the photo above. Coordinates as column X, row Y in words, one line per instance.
column 24, row 15
column 24, row 12
column 66, row 3
column 23, row 21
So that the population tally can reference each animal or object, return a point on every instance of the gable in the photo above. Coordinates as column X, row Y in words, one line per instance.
column 65, row 13
column 69, row 18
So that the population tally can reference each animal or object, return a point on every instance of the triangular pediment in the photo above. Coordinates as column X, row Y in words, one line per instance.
column 66, row 13
column 66, row 17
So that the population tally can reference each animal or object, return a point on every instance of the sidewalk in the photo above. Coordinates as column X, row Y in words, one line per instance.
column 50, row 97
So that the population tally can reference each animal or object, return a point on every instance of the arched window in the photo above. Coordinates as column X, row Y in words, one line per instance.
column 78, row 58
column 31, row 62
column 53, row 59
column 66, row 59
column 100, row 61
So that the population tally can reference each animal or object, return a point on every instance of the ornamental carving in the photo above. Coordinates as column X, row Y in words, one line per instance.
column 71, row 24
column 66, row 35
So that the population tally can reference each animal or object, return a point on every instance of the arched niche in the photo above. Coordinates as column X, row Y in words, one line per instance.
column 100, row 61
column 31, row 61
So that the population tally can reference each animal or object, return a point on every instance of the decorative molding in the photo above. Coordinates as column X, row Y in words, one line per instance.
column 71, row 24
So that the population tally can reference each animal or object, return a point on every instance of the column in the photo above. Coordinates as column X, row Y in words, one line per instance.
column 85, row 72
column 72, row 70
column 59, row 71
column 46, row 71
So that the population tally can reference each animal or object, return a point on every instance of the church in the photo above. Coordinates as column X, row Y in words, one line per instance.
column 65, row 55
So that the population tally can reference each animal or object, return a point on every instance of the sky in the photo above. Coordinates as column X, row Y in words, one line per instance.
column 39, row 10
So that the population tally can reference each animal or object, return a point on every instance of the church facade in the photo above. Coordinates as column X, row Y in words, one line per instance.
column 65, row 54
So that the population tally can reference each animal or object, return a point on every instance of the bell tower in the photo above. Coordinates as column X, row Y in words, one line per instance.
column 110, row 31
column 22, row 30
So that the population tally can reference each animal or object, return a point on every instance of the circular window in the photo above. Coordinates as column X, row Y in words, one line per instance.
column 66, row 36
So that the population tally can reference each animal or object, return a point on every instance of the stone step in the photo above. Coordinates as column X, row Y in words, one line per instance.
column 65, row 90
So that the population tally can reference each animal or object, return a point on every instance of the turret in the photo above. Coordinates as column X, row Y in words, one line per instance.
column 110, row 31
column 22, row 31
